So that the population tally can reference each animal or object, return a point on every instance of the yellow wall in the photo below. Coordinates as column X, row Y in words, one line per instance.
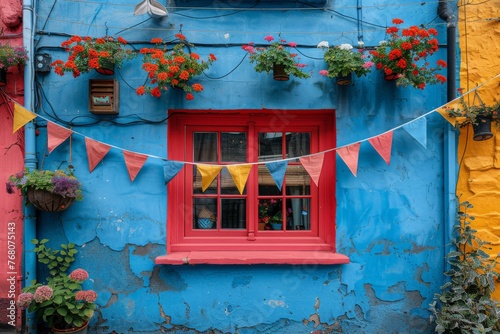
column 479, row 161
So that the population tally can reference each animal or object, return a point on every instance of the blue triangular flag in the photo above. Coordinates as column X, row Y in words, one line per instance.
column 170, row 169
column 418, row 130
column 277, row 170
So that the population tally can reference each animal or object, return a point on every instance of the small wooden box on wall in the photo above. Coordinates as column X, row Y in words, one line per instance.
column 104, row 97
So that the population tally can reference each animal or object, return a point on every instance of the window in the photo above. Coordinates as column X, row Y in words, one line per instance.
column 294, row 223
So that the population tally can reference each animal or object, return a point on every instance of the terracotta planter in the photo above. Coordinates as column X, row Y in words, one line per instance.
column 344, row 80
column 279, row 73
column 392, row 77
column 75, row 330
column 482, row 128
column 47, row 201
column 3, row 76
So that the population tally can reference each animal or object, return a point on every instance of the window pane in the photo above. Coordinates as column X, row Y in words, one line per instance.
column 298, row 181
column 267, row 186
column 270, row 214
column 205, row 147
column 212, row 188
column 227, row 184
column 205, row 210
column 298, row 214
column 233, row 146
column 270, row 146
column 233, row 213
column 298, row 144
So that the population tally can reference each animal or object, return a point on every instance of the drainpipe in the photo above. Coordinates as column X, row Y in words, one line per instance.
column 450, row 148
column 29, row 156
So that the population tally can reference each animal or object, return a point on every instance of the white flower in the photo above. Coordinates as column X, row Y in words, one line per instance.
column 226, row 36
column 346, row 47
column 323, row 44
column 361, row 44
column 382, row 43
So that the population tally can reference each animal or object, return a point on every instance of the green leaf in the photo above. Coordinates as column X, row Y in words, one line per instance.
column 62, row 311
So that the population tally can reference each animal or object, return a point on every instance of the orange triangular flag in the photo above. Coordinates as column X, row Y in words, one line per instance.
column 21, row 117
column 444, row 112
column 349, row 155
column 239, row 173
column 208, row 174
column 95, row 152
column 56, row 134
column 313, row 165
column 134, row 163
column 383, row 145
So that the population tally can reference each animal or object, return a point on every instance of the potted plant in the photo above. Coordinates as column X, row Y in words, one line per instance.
column 87, row 53
column 342, row 61
column 277, row 58
column 465, row 304
column 11, row 56
column 172, row 68
column 271, row 216
column 403, row 57
column 480, row 116
column 47, row 190
column 60, row 302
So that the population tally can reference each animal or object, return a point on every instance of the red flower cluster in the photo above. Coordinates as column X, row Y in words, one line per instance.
column 405, row 54
column 87, row 53
column 172, row 68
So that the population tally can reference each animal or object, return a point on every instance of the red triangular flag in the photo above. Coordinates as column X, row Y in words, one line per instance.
column 95, row 152
column 56, row 135
column 383, row 145
column 134, row 163
column 349, row 155
column 313, row 165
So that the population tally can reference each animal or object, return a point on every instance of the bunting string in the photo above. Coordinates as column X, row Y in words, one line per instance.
column 96, row 150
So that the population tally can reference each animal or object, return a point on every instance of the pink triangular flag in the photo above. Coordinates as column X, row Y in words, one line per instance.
column 383, row 145
column 56, row 135
column 95, row 152
column 313, row 165
column 349, row 155
column 134, row 163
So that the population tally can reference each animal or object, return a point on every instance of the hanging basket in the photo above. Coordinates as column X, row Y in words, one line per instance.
column 344, row 80
column 279, row 73
column 3, row 76
column 107, row 67
column 482, row 128
column 74, row 330
column 47, row 201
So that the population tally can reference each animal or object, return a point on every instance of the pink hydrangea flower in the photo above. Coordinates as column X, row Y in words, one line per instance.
column 42, row 294
column 88, row 296
column 24, row 300
column 292, row 44
column 323, row 72
column 269, row 38
column 79, row 275
column 368, row 64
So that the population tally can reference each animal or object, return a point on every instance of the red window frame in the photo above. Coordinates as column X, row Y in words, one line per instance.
column 188, row 245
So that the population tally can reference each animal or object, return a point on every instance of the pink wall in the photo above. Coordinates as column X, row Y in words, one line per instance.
column 11, row 161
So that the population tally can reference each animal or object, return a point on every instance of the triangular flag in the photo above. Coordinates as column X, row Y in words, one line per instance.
column 134, row 163
column 383, row 145
column 277, row 170
column 208, row 174
column 170, row 169
column 21, row 117
column 95, row 152
column 313, row 165
column 418, row 130
column 56, row 134
column 444, row 112
column 239, row 173
column 349, row 155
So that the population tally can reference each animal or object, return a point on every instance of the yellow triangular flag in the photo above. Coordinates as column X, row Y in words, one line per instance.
column 239, row 173
column 21, row 117
column 208, row 174
column 444, row 112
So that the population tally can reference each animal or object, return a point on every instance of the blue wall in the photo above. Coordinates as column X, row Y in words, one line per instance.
column 389, row 218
